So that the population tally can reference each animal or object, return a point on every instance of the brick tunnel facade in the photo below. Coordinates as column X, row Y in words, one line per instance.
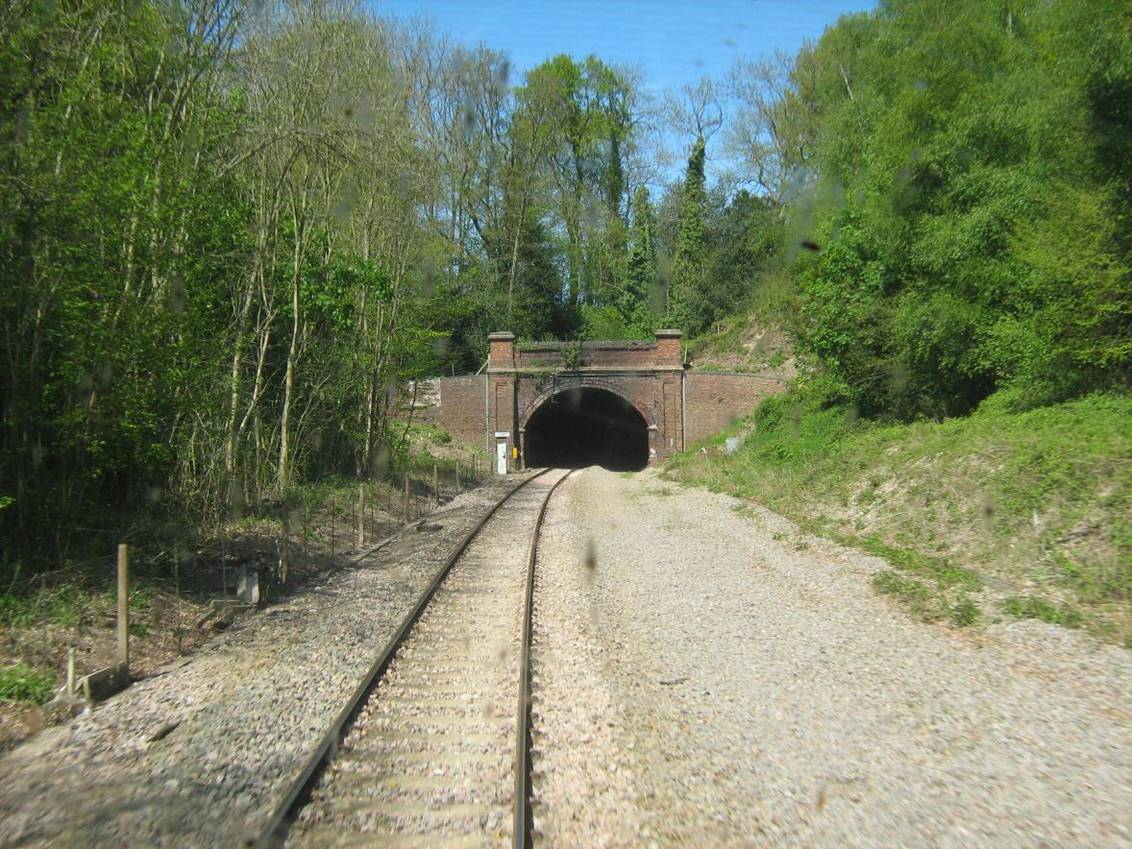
column 621, row 404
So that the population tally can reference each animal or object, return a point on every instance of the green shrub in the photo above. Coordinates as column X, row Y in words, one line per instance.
column 17, row 611
column 25, row 683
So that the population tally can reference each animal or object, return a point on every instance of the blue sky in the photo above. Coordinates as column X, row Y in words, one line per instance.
column 672, row 41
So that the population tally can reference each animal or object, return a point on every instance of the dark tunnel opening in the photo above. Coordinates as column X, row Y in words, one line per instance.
column 587, row 427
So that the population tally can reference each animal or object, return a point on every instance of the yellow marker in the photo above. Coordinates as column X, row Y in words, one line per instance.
column 514, row 452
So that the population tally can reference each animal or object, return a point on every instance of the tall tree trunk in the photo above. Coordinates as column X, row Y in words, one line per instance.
column 283, row 474
column 515, row 257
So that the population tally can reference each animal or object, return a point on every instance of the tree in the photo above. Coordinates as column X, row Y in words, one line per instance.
column 641, row 272
column 686, row 304
column 946, row 246
column 588, row 107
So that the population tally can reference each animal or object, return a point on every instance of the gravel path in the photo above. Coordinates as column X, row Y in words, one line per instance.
column 706, row 677
column 195, row 757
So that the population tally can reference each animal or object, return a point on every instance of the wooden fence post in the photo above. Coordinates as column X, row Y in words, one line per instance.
column 124, row 606
column 177, row 585
column 361, row 514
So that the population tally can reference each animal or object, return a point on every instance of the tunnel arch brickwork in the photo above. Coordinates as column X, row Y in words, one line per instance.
column 678, row 406
column 565, row 382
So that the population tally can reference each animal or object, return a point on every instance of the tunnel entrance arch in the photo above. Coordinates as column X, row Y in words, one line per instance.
column 585, row 425
column 494, row 408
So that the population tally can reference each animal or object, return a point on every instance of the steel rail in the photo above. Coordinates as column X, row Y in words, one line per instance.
column 521, row 833
column 269, row 836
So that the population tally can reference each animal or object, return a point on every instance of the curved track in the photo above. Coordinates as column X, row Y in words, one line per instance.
column 434, row 749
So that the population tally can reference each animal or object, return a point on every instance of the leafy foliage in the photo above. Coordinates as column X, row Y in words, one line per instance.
column 25, row 683
column 966, row 191
column 228, row 240
column 687, row 306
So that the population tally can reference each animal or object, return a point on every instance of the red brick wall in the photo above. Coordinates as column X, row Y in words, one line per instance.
column 668, row 348
column 608, row 354
column 462, row 410
column 422, row 396
column 501, row 352
column 715, row 400
column 452, row 403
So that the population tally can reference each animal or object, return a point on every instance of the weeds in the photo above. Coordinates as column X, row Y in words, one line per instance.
column 25, row 683
column 925, row 600
column 914, row 593
column 67, row 605
column 939, row 570
column 964, row 612
column 1030, row 607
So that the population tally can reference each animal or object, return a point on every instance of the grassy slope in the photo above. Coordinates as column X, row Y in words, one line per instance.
column 744, row 343
column 996, row 514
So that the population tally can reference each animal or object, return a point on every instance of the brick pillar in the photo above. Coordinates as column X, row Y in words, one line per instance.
column 501, row 389
column 501, row 350
column 668, row 348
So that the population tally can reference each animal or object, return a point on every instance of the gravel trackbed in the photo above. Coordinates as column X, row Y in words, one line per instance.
column 197, row 756
column 706, row 676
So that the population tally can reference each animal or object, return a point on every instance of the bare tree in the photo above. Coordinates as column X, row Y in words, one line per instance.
column 768, row 135
column 695, row 109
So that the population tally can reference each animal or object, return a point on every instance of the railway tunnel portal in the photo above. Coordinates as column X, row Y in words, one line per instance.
column 585, row 426
column 622, row 405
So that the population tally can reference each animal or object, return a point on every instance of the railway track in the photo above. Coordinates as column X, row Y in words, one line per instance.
column 433, row 749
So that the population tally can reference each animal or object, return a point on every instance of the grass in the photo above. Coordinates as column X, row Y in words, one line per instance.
column 739, row 343
column 26, row 683
column 1028, row 607
column 926, row 600
column 933, row 588
column 937, row 570
column 67, row 605
column 724, row 346
column 1040, row 501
